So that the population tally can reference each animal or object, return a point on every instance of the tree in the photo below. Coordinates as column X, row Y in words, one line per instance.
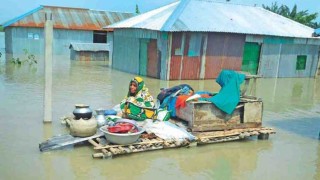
column 137, row 9
column 302, row 17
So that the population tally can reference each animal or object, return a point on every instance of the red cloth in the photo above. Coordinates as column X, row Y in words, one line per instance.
column 122, row 128
column 181, row 101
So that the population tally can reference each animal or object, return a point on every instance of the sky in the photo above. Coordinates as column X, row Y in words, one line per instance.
column 10, row 9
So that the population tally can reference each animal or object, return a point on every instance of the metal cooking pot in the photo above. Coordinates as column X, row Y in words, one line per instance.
column 82, row 111
column 101, row 119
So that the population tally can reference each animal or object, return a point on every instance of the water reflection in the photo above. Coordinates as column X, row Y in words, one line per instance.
column 287, row 92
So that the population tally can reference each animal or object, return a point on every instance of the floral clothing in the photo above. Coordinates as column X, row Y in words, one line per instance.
column 133, row 105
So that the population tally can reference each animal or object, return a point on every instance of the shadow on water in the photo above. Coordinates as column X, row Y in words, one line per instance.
column 306, row 127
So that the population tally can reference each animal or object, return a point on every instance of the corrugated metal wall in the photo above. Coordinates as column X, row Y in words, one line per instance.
column 176, row 56
column 88, row 55
column 2, row 40
column 32, row 39
column 288, row 60
column 164, row 54
column 186, row 51
column 8, row 40
column 63, row 38
column 126, row 49
column 2, row 44
column 269, row 60
column 18, row 39
column 191, row 56
column 143, row 56
column 279, row 60
column 224, row 51
column 126, row 54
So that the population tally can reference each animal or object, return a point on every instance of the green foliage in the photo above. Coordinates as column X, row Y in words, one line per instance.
column 29, row 58
column 1, row 28
column 303, row 17
column 137, row 9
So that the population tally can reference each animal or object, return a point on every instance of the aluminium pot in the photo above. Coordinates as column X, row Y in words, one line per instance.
column 101, row 119
column 82, row 111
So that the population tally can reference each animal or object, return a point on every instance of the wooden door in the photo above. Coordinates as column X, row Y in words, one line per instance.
column 153, row 68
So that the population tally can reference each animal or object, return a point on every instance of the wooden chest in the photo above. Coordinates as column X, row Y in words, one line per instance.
column 205, row 116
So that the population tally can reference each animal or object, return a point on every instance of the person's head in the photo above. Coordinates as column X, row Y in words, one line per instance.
column 135, row 85
column 133, row 88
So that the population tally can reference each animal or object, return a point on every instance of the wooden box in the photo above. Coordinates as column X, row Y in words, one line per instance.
column 205, row 116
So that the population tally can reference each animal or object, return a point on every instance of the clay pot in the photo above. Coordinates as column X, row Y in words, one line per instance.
column 83, row 128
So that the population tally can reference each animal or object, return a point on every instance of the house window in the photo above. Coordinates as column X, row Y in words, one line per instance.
column 36, row 36
column 178, row 52
column 177, row 44
column 99, row 37
column 194, row 45
column 301, row 62
column 30, row 35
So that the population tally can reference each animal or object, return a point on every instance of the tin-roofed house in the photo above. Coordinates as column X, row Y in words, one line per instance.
column 70, row 25
column 89, row 51
column 195, row 39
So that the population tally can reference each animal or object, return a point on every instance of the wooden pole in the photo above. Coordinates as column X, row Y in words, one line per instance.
column 48, row 32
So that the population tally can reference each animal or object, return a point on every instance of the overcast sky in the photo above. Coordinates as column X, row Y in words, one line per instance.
column 10, row 9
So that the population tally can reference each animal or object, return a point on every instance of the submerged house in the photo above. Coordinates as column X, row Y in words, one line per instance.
column 195, row 39
column 70, row 25
column 89, row 51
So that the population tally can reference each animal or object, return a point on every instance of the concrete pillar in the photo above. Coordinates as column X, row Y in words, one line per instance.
column 169, row 56
column 318, row 67
column 203, row 57
column 48, row 38
column 110, row 53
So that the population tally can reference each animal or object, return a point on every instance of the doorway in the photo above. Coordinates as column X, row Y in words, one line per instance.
column 251, row 54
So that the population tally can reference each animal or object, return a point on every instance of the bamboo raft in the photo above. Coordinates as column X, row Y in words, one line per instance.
column 105, row 150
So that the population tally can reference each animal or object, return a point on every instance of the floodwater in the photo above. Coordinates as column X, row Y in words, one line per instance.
column 291, row 107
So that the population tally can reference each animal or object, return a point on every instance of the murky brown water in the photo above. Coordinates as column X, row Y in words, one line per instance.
column 292, row 107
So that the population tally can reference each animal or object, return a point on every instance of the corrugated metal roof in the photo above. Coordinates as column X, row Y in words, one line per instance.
column 208, row 16
column 152, row 20
column 90, row 46
column 69, row 18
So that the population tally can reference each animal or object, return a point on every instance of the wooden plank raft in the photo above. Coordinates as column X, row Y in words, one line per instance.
column 105, row 150
column 231, row 135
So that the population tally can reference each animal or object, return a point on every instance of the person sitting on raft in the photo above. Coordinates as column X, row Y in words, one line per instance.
column 138, row 104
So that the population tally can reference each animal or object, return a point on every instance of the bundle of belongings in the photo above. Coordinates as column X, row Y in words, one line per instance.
column 226, row 99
